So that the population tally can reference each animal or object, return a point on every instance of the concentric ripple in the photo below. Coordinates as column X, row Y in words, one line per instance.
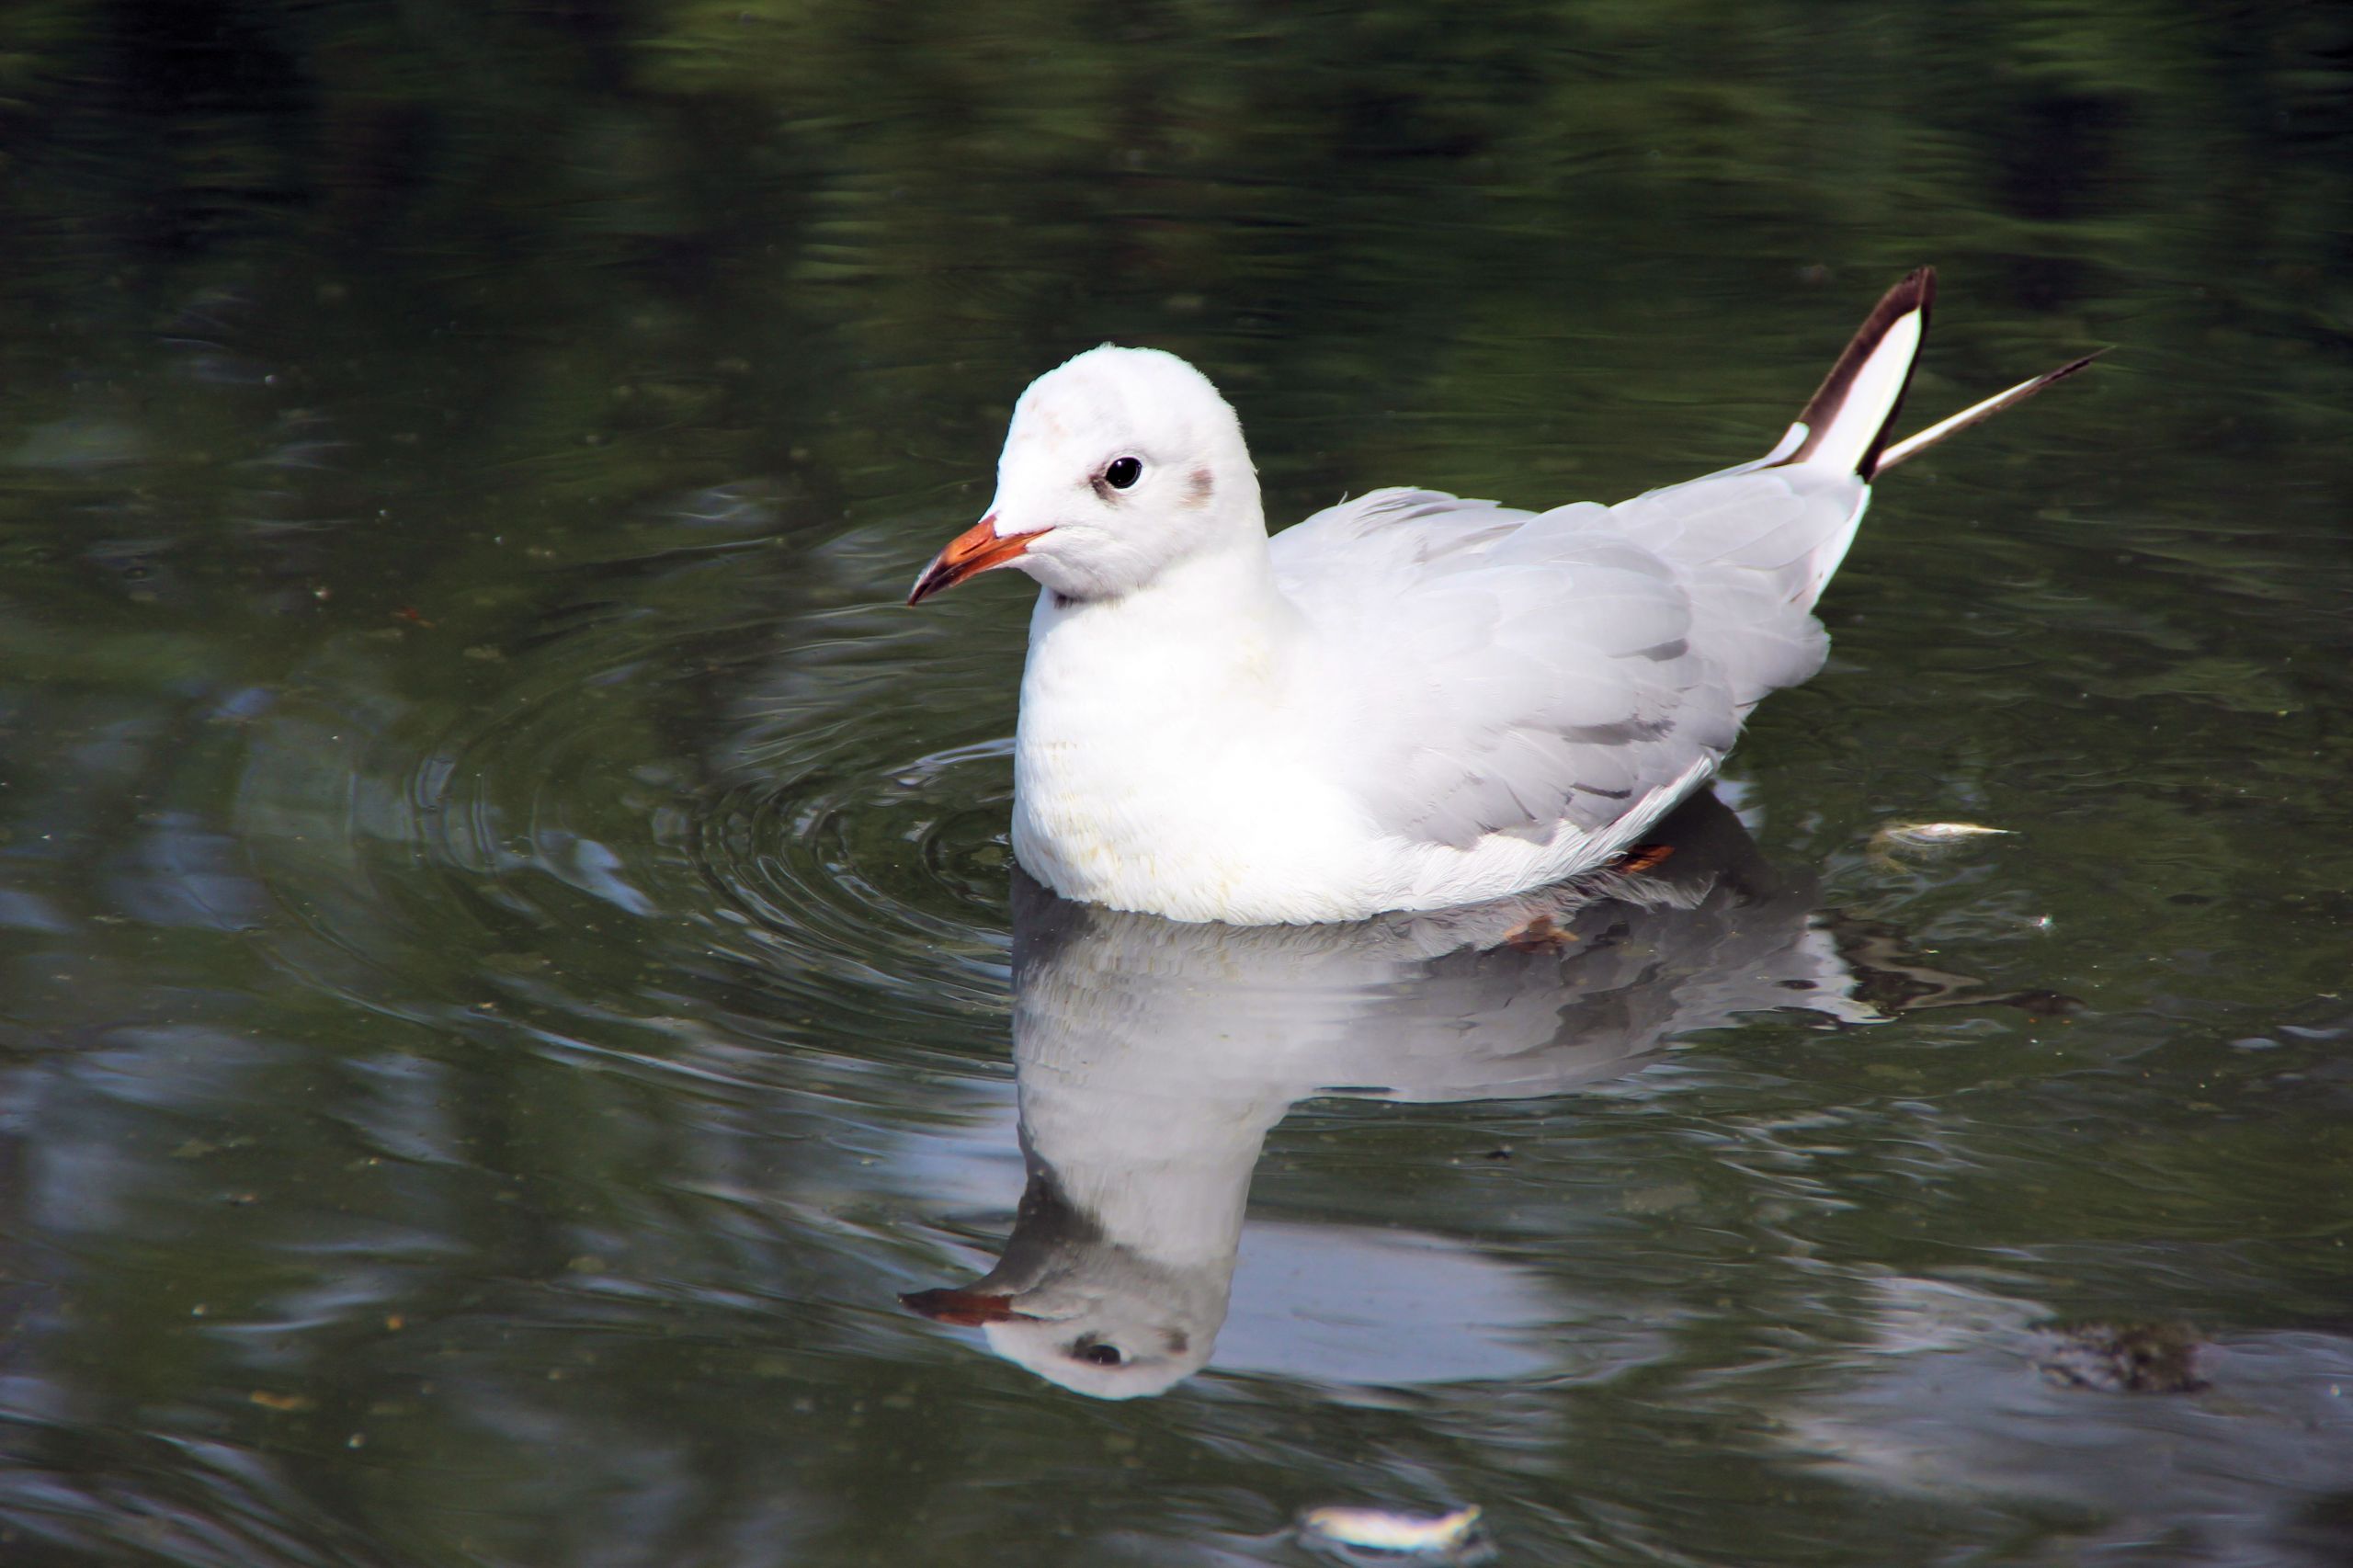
column 838, row 852
column 645, row 810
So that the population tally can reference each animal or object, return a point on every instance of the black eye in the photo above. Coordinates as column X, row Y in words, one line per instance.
column 1100, row 1355
column 1123, row 473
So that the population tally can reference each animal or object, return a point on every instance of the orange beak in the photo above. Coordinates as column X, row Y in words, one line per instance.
column 963, row 1309
column 970, row 553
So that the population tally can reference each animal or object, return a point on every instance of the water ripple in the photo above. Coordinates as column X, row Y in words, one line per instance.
column 640, row 795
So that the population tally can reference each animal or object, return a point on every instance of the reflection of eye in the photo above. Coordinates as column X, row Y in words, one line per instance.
column 1123, row 473
column 1095, row 1351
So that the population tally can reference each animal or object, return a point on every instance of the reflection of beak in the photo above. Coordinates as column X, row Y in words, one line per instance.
column 964, row 1308
column 970, row 553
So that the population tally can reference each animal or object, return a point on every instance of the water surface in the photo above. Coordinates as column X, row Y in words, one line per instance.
column 513, row 966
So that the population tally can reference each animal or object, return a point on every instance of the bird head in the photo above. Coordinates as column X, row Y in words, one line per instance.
column 1117, row 465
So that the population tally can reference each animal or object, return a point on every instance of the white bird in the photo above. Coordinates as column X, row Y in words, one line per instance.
column 1409, row 700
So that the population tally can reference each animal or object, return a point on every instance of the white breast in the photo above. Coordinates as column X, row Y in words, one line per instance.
column 1191, row 778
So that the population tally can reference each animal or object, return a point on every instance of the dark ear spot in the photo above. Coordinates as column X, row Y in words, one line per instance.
column 1199, row 486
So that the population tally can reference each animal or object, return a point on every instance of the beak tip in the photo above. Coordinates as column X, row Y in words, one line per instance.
column 962, row 1308
column 977, row 550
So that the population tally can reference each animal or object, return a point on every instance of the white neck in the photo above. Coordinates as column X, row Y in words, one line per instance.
column 1145, row 719
column 1191, row 607
column 1166, row 1177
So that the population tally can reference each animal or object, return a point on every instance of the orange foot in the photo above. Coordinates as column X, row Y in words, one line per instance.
column 1538, row 935
column 1644, row 858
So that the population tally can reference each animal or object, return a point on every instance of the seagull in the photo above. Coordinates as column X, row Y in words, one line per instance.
column 1410, row 701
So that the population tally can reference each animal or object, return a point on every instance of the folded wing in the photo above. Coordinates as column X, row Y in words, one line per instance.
column 1582, row 664
column 1563, row 665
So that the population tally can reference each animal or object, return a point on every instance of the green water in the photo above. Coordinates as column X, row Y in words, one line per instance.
column 512, row 963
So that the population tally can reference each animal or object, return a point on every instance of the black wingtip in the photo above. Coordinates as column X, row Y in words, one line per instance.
column 1914, row 291
column 2072, row 366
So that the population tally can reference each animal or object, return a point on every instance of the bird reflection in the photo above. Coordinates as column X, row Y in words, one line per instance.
column 1153, row 1058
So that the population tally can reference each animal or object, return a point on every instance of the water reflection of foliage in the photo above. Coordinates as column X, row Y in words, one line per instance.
column 971, row 176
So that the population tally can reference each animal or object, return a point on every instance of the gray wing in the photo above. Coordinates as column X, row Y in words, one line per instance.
column 1565, row 665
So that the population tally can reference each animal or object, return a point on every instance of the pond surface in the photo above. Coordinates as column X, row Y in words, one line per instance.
column 512, row 965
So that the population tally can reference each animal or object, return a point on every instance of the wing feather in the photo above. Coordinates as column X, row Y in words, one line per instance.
column 1566, row 664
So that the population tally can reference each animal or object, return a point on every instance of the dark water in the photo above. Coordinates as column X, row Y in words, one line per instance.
column 512, row 964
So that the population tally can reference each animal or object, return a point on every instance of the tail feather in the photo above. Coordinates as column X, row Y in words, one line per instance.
column 1913, row 445
column 1841, row 439
column 1846, row 424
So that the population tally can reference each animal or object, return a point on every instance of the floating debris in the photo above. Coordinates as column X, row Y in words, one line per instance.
column 281, row 1402
column 1381, row 1534
column 2132, row 1357
column 1897, row 837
